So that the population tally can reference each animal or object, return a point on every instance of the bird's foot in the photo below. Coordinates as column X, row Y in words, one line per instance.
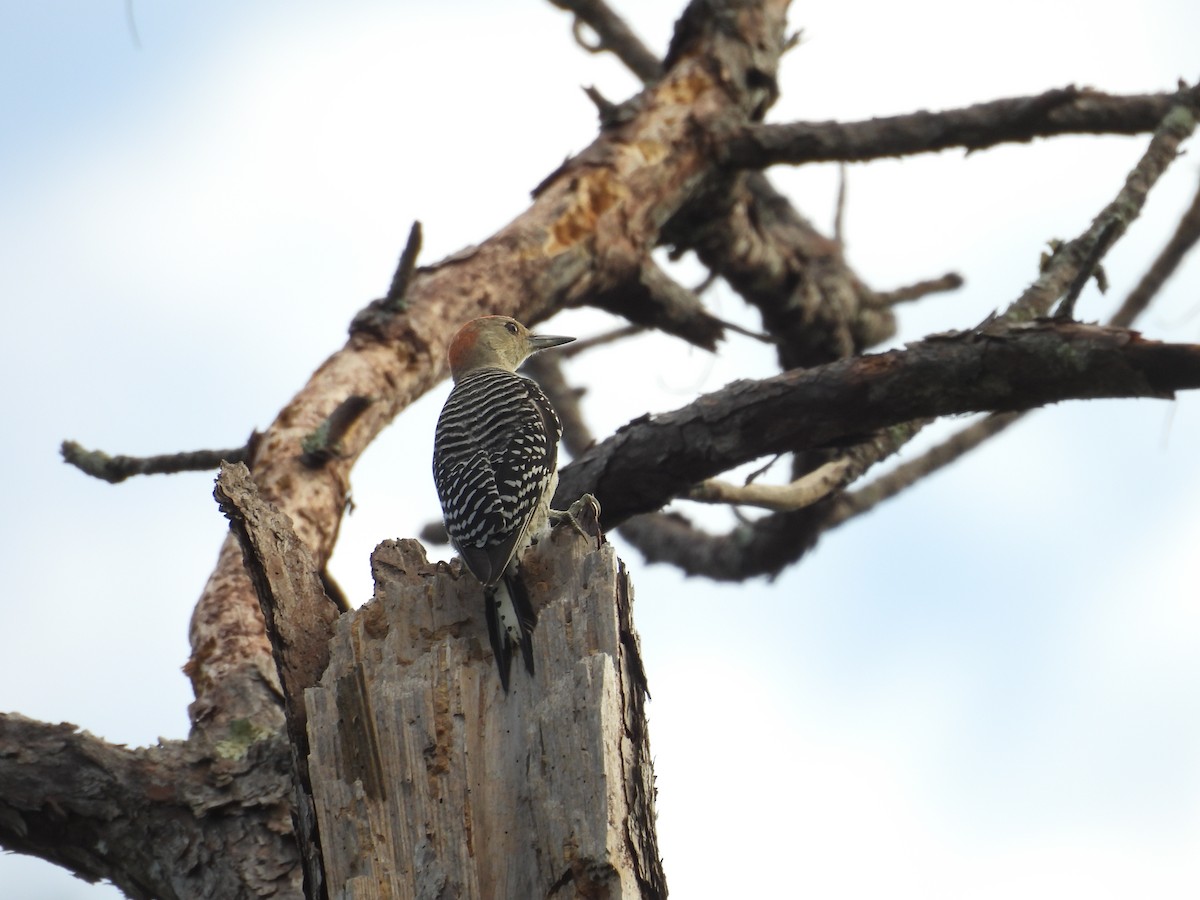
column 583, row 516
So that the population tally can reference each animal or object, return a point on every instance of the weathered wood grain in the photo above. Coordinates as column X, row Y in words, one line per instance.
column 430, row 781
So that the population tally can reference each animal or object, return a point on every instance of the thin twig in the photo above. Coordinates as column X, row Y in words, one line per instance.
column 613, row 35
column 907, row 474
column 115, row 469
column 393, row 301
column 1185, row 237
column 605, row 108
column 707, row 282
column 1106, row 238
column 1071, row 258
column 325, row 442
column 839, row 211
column 652, row 297
column 816, row 485
column 585, row 344
column 951, row 281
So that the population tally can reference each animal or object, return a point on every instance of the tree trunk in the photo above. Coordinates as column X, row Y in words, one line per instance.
column 429, row 781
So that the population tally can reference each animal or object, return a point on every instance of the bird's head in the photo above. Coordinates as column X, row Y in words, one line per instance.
column 496, row 342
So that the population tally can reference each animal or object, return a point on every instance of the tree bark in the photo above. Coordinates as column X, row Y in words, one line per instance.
column 430, row 781
column 172, row 821
column 993, row 368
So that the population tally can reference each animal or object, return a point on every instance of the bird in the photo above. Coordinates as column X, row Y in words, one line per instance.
column 495, row 458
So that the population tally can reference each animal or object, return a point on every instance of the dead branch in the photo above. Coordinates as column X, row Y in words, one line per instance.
column 812, row 304
column 1184, row 238
column 167, row 821
column 655, row 459
column 398, row 289
column 613, row 35
column 1069, row 110
column 765, row 547
column 951, row 281
column 887, row 486
column 1089, row 268
column 115, row 469
column 802, row 492
column 583, row 345
column 655, row 300
column 765, row 543
column 1078, row 256
column 907, row 474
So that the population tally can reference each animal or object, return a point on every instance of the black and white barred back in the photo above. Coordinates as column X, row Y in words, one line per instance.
column 495, row 454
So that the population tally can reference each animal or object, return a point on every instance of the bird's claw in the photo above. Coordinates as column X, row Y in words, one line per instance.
column 583, row 516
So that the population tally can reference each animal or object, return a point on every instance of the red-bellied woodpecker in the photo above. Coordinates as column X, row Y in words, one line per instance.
column 495, row 456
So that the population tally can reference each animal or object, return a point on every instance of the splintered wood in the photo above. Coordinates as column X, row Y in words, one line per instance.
column 430, row 782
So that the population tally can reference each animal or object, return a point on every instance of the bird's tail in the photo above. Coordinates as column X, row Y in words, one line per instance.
column 510, row 620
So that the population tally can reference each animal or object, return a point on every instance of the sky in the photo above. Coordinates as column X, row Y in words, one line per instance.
column 985, row 688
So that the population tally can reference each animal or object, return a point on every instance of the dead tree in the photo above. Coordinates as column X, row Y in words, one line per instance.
column 370, row 753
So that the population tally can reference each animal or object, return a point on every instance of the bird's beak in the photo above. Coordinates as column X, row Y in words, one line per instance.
column 546, row 341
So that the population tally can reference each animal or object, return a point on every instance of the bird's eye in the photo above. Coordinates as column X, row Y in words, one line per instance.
column 512, row 327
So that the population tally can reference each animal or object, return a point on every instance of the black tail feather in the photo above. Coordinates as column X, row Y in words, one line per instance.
column 498, row 636
column 525, row 615
column 501, row 640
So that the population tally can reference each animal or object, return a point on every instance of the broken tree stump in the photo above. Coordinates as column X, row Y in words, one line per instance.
column 430, row 782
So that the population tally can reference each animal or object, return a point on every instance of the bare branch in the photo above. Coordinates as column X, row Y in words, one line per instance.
column 585, row 344
column 325, row 441
column 813, row 305
column 1071, row 266
column 655, row 300
column 770, row 543
column 1088, row 268
column 655, row 459
column 951, row 281
column 612, row 35
column 1063, row 111
column 839, row 210
column 1080, row 255
column 904, row 476
column 395, row 297
column 157, row 822
column 1185, row 237
column 887, row 486
column 764, row 548
column 115, row 469
column 802, row 492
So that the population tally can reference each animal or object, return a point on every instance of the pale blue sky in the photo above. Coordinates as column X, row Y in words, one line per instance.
column 986, row 688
